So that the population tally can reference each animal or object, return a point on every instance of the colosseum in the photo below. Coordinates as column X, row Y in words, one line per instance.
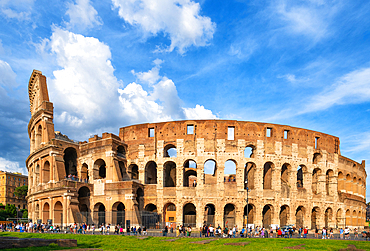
column 193, row 172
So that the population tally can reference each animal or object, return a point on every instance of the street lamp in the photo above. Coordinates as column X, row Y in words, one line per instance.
column 246, row 184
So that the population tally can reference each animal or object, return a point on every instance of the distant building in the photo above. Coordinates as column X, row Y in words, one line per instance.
column 368, row 212
column 8, row 183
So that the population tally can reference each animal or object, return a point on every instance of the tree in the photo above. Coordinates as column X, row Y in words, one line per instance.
column 25, row 213
column 21, row 192
column 10, row 211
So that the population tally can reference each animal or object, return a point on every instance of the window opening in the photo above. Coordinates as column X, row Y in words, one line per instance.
column 286, row 132
column 268, row 132
column 230, row 132
column 190, row 129
column 151, row 132
column 316, row 142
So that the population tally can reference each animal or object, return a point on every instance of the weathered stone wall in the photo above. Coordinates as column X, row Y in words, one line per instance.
column 295, row 176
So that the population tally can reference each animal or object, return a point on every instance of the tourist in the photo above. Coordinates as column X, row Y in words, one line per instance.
column 211, row 230
column 263, row 232
column 234, row 231
column 242, row 232
column 189, row 231
column 331, row 234
column 341, row 233
column 356, row 233
column 346, row 233
column 323, row 233
column 230, row 232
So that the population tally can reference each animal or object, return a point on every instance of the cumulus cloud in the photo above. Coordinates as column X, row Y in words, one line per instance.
column 86, row 85
column 180, row 20
column 11, row 166
column 82, row 15
column 199, row 112
column 352, row 88
column 89, row 97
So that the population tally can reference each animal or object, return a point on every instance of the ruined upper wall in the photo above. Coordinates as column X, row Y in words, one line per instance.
column 218, row 129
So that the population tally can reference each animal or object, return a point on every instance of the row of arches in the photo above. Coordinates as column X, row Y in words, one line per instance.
column 46, row 214
column 351, row 184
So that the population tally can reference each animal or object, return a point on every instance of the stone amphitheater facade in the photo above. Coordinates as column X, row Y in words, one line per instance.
column 191, row 173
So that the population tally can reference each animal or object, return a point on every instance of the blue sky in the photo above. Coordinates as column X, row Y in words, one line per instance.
column 114, row 63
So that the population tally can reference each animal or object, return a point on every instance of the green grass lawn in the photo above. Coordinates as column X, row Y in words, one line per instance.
column 112, row 242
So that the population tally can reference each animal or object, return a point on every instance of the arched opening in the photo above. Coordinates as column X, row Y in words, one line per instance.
column 169, row 151
column 190, row 215
column 58, row 213
column 70, row 161
column 348, row 183
column 39, row 136
column 151, row 208
column 150, row 216
column 45, row 213
column 169, row 214
column 348, row 218
column 230, row 171
column 85, row 172
column 140, row 198
column 314, row 217
column 46, row 172
column 316, row 158
column 341, row 181
column 37, row 175
column 329, row 182
column 84, row 204
column 210, row 176
column 284, row 178
column 267, row 215
column 249, row 151
column 134, row 169
column 190, row 178
column 121, row 152
column 209, row 214
column 151, row 173
column 190, row 173
column 122, row 170
column 284, row 215
column 315, row 180
column 229, row 216
column 328, row 217
column 99, row 214
column 169, row 174
column 300, row 171
column 100, row 171
column 354, row 186
column 37, row 211
column 354, row 218
column 118, row 210
column 299, row 217
column 249, row 210
column 267, row 175
column 249, row 172
column 339, row 219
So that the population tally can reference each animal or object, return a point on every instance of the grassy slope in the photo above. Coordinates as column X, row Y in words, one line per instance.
column 112, row 242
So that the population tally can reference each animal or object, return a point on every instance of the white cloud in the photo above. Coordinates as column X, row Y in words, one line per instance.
column 352, row 88
column 17, row 9
column 310, row 18
column 199, row 112
column 85, row 86
column 293, row 79
column 180, row 20
column 243, row 49
column 151, row 76
column 7, row 75
column 11, row 166
column 82, row 15
column 88, row 96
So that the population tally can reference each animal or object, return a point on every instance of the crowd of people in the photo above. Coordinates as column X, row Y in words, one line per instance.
column 75, row 178
column 186, row 231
